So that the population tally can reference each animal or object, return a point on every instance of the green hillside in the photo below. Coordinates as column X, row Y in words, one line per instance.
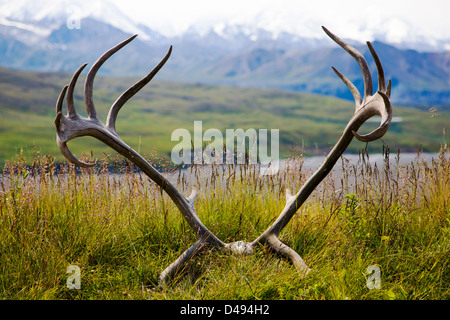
column 311, row 122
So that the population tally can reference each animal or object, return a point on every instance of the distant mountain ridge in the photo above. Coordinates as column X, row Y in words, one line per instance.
column 40, row 39
column 417, row 78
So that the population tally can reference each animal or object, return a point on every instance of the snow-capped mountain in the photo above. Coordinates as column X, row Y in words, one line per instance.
column 38, row 19
column 268, row 51
column 399, row 33
column 276, row 26
column 44, row 16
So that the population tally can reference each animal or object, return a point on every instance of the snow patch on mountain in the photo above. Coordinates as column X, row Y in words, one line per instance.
column 47, row 15
column 43, row 16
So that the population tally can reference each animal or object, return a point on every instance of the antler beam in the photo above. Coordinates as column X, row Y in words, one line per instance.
column 73, row 125
column 366, row 107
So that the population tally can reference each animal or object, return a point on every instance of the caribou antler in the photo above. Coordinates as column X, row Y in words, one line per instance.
column 72, row 126
column 366, row 107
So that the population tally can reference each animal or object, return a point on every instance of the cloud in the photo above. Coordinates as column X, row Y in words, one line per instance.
column 176, row 16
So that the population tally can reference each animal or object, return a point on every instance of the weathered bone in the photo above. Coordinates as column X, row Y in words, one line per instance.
column 368, row 106
column 72, row 126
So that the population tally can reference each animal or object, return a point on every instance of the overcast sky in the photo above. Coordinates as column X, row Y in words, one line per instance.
column 429, row 16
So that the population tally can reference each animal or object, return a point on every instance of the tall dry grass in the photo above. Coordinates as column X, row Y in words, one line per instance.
column 122, row 231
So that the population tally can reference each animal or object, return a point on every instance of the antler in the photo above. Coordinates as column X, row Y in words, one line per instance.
column 366, row 107
column 73, row 126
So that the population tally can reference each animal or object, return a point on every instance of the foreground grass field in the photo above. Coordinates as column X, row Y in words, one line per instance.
column 121, row 231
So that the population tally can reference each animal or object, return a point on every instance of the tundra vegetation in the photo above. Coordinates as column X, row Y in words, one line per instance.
column 122, row 230
column 148, row 120
column 115, row 230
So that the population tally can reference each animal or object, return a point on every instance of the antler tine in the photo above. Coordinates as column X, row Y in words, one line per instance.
column 69, row 156
column 59, row 102
column 351, row 86
column 89, row 84
column 72, row 113
column 388, row 89
column 385, row 111
column 61, row 118
column 115, row 108
column 380, row 72
column 368, row 85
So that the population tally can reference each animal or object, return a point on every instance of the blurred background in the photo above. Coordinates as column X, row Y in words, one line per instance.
column 235, row 64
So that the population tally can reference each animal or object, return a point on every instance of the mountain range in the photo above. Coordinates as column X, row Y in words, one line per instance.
column 61, row 36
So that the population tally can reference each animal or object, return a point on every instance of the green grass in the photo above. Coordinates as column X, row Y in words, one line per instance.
column 27, row 103
column 122, row 232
